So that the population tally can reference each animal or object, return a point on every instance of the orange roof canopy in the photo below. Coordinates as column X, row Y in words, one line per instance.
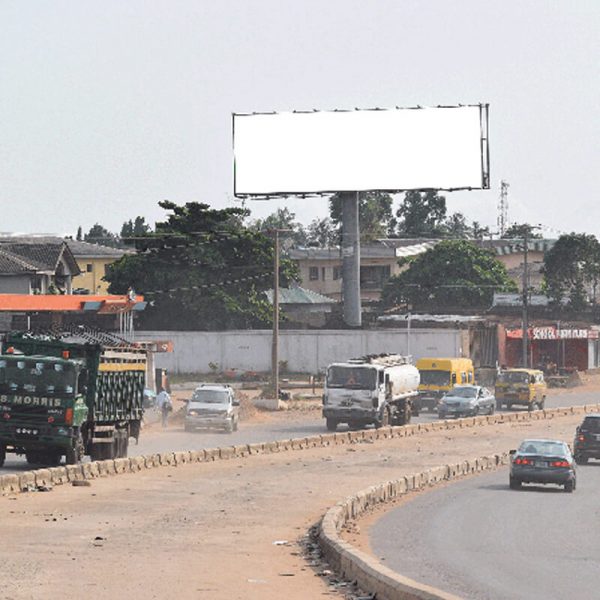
column 60, row 303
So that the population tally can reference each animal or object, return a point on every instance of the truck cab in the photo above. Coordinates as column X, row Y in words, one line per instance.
column 42, row 405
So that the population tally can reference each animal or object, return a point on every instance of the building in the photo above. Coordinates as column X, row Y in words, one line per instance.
column 303, row 307
column 321, row 268
column 93, row 260
column 31, row 266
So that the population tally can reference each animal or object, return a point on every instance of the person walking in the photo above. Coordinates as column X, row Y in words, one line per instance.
column 164, row 404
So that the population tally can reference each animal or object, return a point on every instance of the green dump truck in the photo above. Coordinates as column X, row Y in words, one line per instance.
column 69, row 395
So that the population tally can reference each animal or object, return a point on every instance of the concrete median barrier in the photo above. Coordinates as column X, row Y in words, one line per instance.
column 26, row 481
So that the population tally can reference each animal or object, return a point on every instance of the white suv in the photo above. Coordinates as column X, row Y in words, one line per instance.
column 212, row 406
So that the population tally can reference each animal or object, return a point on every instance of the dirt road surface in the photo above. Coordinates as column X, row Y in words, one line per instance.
column 207, row 530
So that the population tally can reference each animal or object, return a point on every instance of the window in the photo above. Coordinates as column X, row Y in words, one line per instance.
column 89, row 267
column 313, row 273
column 323, row 273
column 374, row 277
column 337, row 273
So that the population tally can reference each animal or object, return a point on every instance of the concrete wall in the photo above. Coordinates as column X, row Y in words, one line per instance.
column 304, row 351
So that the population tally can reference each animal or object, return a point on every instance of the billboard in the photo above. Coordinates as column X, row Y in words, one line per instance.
column 305, row 153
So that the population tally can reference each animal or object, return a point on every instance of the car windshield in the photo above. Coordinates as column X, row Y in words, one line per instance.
column 463, row 392
column 361, row 378
column 591, row 424
column 513, row 377
column 543, row 447
column 210, row 396
column 431, row 377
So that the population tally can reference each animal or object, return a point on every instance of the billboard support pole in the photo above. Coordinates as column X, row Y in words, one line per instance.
column 351, row 259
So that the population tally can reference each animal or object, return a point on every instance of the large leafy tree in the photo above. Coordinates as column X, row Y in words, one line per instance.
column 454, row 274
column 376, row 219
column 571, row 268
column 422, row 214
column 201, row 269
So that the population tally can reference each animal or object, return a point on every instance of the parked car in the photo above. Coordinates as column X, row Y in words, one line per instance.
column 466, row 401
column 543, row 461
column 212, row 406
column 587, row 439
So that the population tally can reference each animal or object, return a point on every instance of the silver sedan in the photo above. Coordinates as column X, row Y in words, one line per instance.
column 467, row 401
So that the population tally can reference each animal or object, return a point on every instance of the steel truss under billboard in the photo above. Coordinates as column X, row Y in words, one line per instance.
column 320, row 152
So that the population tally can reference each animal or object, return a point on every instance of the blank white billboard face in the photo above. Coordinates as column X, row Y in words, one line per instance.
column 390, row 150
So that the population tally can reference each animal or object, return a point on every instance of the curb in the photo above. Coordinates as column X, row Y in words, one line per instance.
column 354, row 565
column 32, row 480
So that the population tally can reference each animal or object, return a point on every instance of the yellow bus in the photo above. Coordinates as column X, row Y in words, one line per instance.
column 438, row 376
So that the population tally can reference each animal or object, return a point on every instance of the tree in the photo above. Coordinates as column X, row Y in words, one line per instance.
column 422, row 214
column 282, row 218
column 453, row 274
column 79, row 236
column 479, row 231
column 571, row 267
column 456, row 226
column 100, row 235
column 201, row 269
column 322, row 233
column 135, row 228
column 518, row 231
column 374, row 214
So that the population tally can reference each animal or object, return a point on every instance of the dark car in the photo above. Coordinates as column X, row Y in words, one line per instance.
column 543, row 461
column 587, row 439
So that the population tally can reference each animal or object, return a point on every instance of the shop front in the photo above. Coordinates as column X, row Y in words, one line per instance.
column 553, row 347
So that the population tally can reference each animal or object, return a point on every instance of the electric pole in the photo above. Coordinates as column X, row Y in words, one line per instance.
column 275, row 341
column 525, row 324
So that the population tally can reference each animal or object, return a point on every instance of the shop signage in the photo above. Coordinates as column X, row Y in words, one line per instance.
column 553, row 333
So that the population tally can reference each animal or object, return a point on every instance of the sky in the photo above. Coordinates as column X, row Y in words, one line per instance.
column 108, row 107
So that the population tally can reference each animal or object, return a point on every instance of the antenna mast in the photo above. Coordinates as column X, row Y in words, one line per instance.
column 503, row 208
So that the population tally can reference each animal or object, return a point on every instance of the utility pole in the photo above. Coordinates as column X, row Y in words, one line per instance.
column 525, row 324
column 275, row 340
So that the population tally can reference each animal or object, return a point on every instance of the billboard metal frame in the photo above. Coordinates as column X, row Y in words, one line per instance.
column 484, row 153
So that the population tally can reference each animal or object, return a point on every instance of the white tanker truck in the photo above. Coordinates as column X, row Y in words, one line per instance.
column 377, row 389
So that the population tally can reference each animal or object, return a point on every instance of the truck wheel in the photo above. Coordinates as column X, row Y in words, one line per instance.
column 2, row 455
column 331, row 424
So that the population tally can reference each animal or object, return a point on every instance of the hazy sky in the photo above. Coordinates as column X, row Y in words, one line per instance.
column 107, row 107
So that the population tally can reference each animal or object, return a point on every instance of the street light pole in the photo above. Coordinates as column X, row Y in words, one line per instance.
column 525, row 324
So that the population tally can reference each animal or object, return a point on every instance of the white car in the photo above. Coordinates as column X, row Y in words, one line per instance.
column 212, row 406
column 467, row 401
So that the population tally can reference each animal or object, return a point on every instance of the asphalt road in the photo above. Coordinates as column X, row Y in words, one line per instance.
column 175, row 438
column 480, row 540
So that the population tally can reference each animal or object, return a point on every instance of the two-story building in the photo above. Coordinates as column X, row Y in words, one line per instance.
column 321, row 268
column 93, row 261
